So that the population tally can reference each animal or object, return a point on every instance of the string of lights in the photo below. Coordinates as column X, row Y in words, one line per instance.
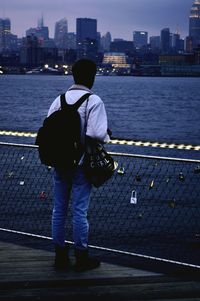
column 116, row 141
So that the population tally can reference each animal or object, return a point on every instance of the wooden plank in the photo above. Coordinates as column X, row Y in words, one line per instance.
column 48, row 279
column 28, row 274
column 104, row 269
column 34, row 258
column 118, row 292
column 117, row 271
column 37, row 267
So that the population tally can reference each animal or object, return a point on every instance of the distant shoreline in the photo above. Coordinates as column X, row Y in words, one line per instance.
column 42, row 74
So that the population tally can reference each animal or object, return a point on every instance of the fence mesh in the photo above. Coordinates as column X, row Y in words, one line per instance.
column 150, row 206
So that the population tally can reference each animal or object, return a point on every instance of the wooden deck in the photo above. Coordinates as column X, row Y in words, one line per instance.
column 28, row 274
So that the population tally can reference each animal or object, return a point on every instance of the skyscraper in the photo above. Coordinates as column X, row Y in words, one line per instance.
column 30, row 54
column 61, row 32
column 155, row 43
column 41, row 32
column 5, row 34
column 165, row 40
column 177, row 43
column 194, row 23
column 140, row 39
column 105, row 41
column 41, row 22
column 86, row 37
column 71, row 40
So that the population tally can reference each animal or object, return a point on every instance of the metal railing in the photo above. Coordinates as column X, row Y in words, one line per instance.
column 150, row 207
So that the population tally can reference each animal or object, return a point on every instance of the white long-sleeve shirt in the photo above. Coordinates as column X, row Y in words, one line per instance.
column 92, row 111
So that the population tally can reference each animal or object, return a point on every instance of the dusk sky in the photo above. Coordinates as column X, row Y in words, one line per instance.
column 120, row 17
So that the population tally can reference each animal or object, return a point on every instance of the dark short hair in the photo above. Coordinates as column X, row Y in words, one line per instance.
column 84, row 71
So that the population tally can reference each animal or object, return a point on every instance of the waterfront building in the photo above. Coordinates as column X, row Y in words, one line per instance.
column 194, row 23
column 86, row 37
column 140, row 39
column 116, row 59
column 176, row 59
column 197, row 55
column 179, row 65
column 165, row 40
column 61, row 34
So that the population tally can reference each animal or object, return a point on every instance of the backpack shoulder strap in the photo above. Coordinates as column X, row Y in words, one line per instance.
column 63, row 101
column 81, row 100
column 76, row 105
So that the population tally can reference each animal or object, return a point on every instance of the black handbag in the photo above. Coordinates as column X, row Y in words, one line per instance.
column 98, row 165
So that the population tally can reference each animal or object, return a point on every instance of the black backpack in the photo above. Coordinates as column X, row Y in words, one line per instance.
column 59, row 139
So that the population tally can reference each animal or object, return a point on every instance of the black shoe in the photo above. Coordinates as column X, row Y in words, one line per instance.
column 62, row 260
column 84, row 262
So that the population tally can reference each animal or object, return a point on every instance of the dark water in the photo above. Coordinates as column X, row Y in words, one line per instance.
column 146, row 108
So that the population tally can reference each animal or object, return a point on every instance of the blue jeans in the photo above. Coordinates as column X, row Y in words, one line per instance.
column 66, row 183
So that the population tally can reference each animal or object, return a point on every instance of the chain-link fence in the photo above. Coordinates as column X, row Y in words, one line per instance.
column 151, row 206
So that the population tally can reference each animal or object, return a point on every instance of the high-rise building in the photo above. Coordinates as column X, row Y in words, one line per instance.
column 8, row 41
column 194, row 23
column 41, row 22
column 71, row 40
column 189, row 44
column 165, row 40
column 155, row 43
column 122, row 46
column 5, row 34
column 30, row 54
column 177, row 43
column 61, row 34
column 41, row 32
column 140, row 39
column 86, row 37
column 99, row 40
column 86, row 29
column 105, row 41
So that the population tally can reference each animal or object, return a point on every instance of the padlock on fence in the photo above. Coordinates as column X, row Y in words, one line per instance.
column 133, row 197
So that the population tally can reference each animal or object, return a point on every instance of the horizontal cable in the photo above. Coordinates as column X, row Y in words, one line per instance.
column 109, row 249
column 116, row 141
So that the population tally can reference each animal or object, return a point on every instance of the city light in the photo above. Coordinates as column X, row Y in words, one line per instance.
column 142, row 55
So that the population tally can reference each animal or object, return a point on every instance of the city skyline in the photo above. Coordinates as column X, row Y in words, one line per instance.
column 120, row 18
